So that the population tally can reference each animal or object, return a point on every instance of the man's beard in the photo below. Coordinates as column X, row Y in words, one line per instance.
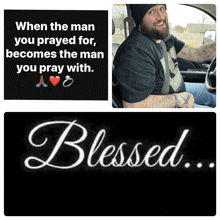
column 154, row 33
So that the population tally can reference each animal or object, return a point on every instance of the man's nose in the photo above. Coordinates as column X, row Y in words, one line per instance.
column 160, row 15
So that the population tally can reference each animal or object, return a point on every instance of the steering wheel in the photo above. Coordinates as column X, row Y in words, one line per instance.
column 210, row 79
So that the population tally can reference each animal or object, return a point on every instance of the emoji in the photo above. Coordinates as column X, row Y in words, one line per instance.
column 41, row 82
column 54, row 80
column 68, row 78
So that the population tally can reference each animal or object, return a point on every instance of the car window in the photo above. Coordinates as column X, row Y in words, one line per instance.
column 119, row 13
column 191, row 25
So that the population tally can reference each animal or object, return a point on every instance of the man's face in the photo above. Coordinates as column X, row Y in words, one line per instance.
column 155, row 23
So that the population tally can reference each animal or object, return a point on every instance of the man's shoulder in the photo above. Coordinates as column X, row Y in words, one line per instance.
column 136, row 42
column 137, row 39
column 171, row 40
column 174, row 42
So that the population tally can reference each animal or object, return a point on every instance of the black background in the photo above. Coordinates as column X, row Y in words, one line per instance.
column 98, row 191
column 86, row 86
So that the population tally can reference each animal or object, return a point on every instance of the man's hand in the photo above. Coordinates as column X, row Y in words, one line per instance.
column 184, row 100
column 180, row 100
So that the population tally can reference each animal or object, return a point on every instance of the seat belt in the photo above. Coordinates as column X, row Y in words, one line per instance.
column 166, row 84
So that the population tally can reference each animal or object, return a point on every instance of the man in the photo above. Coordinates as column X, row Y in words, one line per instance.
column 140, row 66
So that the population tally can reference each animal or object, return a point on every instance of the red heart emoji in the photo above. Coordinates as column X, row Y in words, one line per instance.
column 54, row 80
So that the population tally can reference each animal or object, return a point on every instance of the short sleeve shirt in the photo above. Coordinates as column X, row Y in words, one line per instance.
column 140, row 67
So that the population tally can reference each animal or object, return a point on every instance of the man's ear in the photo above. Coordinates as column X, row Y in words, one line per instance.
column 139, row 28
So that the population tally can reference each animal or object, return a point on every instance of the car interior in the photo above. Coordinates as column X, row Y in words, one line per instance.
column 200, row 72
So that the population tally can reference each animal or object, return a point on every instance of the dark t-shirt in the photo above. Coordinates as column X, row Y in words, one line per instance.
column 140, row 67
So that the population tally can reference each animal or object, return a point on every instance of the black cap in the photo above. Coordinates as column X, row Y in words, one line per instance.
column 138, row 11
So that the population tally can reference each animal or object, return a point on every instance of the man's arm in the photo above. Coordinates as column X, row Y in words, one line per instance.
column 205, row 52
column 181, row 100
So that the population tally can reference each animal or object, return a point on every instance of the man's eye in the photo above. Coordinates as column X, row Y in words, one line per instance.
column 162, row 8
column 151, row 12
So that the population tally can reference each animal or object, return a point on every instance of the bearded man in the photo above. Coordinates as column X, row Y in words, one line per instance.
column 140, row 66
